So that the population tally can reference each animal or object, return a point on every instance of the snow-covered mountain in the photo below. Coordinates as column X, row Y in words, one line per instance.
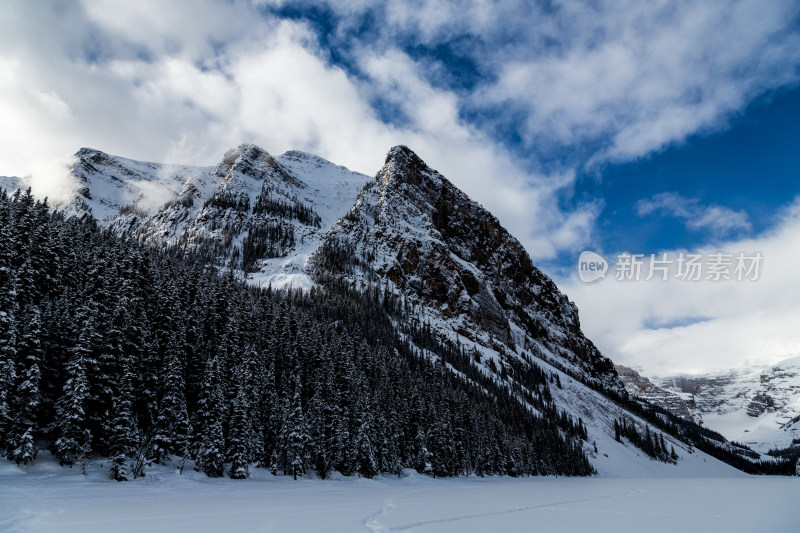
column 414, row 231
column 642, row 387
column 295, row 218
column 248, row 199
column 12, row 183
column 759, row 407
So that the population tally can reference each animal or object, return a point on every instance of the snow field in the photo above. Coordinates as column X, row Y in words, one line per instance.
column 48, row 498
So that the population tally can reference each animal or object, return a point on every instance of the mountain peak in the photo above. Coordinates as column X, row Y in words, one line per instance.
column 403, row 165
column 93, row 155
column 400, row 151
column 248, row 151
column 426, row 239
column 85, row 150
column 248, row 159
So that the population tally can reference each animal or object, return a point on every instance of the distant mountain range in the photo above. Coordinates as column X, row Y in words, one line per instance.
column 759, row 407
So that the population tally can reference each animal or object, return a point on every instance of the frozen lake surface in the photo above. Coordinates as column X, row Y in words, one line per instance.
column 48, row 498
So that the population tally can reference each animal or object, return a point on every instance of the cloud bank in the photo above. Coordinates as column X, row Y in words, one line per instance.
column 676, row 326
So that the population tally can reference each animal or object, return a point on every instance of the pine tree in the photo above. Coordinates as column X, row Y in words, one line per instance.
column 28, row 397
column 294, row 443
column 172, row 428
column 71, row 443
column 211, row 439
column 26, row 449
column 422, row 461
column 8, row 333
column 297, row 437
column 8, row 377
column 271, row 417
column 123, row 433
column 365, row 463
column 239, row 452
column 320, row 426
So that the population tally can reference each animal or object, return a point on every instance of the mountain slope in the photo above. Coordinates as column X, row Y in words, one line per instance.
column 425, row 239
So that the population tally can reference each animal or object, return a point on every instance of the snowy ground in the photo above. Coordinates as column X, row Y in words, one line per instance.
column 49, row 498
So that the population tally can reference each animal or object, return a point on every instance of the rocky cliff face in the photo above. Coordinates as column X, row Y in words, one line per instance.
column 641, row 387
column 427, row 241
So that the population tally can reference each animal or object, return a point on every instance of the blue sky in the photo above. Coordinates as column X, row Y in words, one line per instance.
column 620, row 126
column 751, row 167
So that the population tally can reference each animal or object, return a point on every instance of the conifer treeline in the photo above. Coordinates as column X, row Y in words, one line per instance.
column 703, row 438
column 649, row 442
column 143, row 355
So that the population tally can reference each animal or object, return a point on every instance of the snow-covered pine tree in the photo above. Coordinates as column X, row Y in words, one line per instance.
column 26, row 450
column 270, row 411
column 172, row 432
column 297, row 438
column 8, row 378
column 70, row 444
column 297, row 435
column 8, row 323
column 364, row 450
column 210, row 410
column 123, row 435
column 422, row 462
column 241, row 435
column 28, row 397
column 323, row 417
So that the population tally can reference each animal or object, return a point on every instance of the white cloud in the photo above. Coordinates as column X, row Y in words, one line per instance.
column 624, row 78
column 740, row 322
column 647, row 74
column 717, row 219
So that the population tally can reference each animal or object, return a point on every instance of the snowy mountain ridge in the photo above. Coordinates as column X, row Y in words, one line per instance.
column 295, row 196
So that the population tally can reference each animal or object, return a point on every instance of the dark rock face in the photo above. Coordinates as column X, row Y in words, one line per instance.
column 442, row 250
column 760, row 404
column 710, row 393
column 641, row 387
